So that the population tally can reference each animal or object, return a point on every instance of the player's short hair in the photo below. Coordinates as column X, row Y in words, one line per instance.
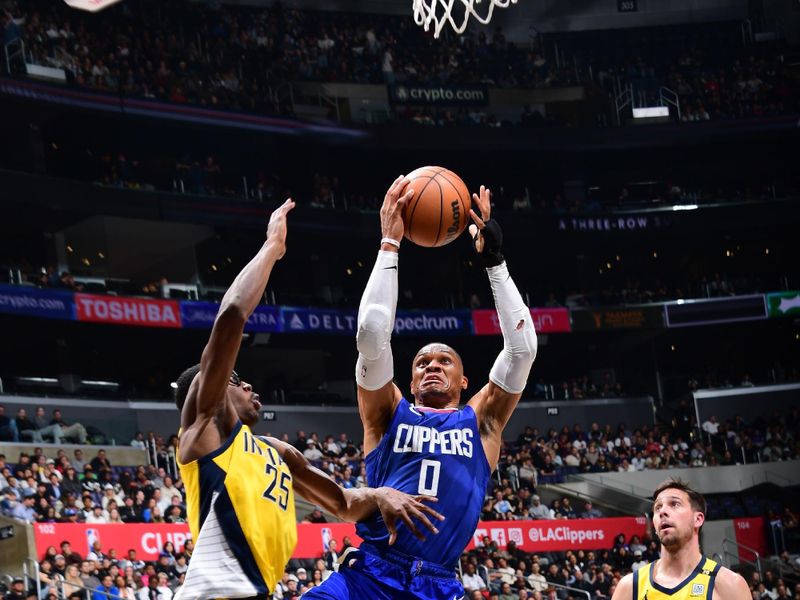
column 695, row 498
column 449, row 349
column 183, row 383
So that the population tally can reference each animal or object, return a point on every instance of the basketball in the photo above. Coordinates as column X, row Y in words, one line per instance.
column 439, row 210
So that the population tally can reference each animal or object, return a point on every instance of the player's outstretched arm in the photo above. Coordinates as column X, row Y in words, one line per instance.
column 624, row 589
column 356, row 504
column 377, row 394
column 239, row 302
column 494, row 403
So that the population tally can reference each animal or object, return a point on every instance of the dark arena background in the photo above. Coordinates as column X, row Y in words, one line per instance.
column 644, row 159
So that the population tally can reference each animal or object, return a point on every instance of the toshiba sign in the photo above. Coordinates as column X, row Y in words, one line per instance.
column 127, row 311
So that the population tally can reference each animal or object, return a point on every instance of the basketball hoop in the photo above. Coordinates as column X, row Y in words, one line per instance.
column 439, row 12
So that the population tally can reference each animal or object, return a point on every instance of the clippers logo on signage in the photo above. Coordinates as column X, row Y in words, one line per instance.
column 619, row 223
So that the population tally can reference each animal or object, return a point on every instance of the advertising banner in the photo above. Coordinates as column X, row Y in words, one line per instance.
column 344, row 322
column 546, row 320
column 318, row 320
column 751, row 532
column 146, row 538
column 432, row 323
column 559, row 535
column 780, row 304
column 611, row 224
column 439, row 95
column 265, row 319
column 312, row 539
column 33, row 302
column 142, row 312
column 638, row 317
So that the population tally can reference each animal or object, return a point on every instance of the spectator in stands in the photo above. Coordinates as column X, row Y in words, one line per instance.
column 72, row 581
column 331, row 557
column 711, row 427
column 107, row 590
column 471, row 580
column 46, row 427
column 169, row 491
column 75, row 432
column 87, row 575
column 24, row 509
column 98, row 515
column 70, row 484
column 110, row 495
column 27, row 429
column 539, row 510
column 8, row 429
column 312, row 451
column 590, row 512
column 138, row 441
column 316, row 516
column 17, row 591
column 566, row 509
column 100, row 462
column 176, row 513
column 77, row 460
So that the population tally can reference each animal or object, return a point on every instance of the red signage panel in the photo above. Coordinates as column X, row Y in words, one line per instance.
column 143, row 312
column 751, row 532
column 545, row 320
column 146, row 538
column 312, row 538
column 560, row 534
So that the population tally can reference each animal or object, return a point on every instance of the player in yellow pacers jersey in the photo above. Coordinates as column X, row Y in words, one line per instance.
column 239, row 486
column 681, row 572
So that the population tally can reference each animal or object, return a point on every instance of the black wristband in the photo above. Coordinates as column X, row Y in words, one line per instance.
column 492, row 243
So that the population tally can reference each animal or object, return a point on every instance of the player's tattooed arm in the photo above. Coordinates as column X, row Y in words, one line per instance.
column 356, row 504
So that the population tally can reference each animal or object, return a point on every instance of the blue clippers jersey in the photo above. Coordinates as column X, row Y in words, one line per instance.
column 438, row 454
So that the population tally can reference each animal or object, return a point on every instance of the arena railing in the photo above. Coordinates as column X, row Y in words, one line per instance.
column 482, row 569
column 89, row 591
column 726, row 553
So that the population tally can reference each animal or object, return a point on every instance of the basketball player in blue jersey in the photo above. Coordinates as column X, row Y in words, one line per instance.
column 681, row 572
column 239, row 486
column 428, row 447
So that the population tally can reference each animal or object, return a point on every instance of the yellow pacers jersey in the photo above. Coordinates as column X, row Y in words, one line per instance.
column 699, row 585
column 240, row 507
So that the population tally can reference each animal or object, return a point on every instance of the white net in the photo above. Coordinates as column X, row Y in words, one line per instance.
column 436, row 13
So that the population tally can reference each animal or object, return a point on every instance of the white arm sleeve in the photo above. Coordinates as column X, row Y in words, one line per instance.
column 511, row 369
column 375, row 366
